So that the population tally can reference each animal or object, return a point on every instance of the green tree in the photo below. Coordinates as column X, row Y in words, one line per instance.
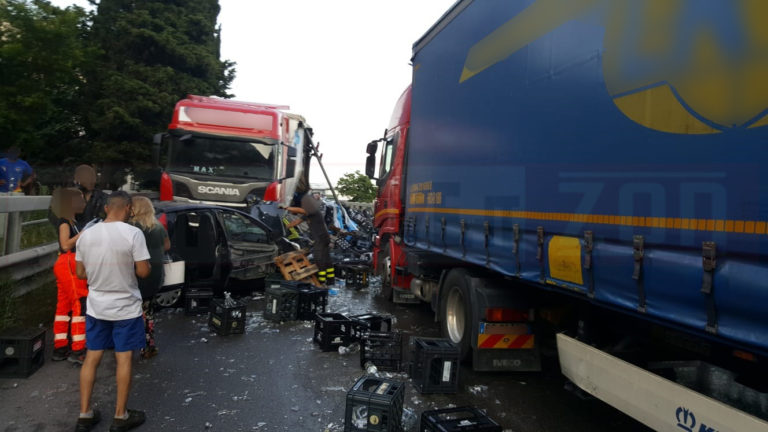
column 358, row 187
column 150, row 54
column 41, row 61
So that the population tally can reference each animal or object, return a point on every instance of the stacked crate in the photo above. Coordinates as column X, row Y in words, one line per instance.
column 364, row 323
column 383, row 349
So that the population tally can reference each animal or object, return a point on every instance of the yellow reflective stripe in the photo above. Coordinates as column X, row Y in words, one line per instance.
column 61, row 318
column 78, row 319
column 60, row 336
column 78, row 338
column 716, row 225
column 386, row 211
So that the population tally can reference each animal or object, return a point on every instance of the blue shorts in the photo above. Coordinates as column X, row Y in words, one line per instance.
column 122, row 336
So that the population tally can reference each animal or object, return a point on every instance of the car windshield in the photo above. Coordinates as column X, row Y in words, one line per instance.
column 223, row 158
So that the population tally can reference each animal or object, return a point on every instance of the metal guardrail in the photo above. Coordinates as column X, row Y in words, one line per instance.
column 22, row 266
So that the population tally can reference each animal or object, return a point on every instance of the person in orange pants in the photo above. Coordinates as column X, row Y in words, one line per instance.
column 72, row 291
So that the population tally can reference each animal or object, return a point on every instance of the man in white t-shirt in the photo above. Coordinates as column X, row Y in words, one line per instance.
column 111, row 254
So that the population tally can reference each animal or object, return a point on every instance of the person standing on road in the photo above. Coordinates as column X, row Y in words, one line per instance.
column 111, row 255
column 311, row 210
column 157, row 243
column 15, row 173
column 95, row 199
column 71, row 291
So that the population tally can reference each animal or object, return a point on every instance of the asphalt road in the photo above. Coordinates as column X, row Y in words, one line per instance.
column 273, row 378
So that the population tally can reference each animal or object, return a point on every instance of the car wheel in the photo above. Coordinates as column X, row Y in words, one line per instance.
column 168, row 298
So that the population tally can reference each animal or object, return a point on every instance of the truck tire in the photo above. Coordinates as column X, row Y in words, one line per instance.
column 456, row 310
column 384, row 268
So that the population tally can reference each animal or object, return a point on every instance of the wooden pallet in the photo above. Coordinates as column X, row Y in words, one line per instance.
column 296, row 266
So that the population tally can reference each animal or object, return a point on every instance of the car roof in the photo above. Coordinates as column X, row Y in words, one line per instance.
column 175, row 206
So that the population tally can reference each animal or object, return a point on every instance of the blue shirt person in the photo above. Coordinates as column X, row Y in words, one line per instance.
column 15, row 173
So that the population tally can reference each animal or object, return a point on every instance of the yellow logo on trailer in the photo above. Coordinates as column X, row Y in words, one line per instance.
column 677, row 66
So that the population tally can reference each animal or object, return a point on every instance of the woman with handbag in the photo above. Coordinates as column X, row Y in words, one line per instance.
column 157, row 244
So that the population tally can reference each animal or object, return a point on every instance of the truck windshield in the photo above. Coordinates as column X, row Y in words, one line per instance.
column 223, row 158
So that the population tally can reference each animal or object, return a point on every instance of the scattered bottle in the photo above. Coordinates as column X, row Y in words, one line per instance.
column 409, row 419
column 371, row 369
column 351, row 349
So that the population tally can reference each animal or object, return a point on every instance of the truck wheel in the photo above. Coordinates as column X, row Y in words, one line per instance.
column 456, row 311
column 384, row 267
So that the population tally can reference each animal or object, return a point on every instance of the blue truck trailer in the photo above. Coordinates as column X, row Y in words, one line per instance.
column 595, row 171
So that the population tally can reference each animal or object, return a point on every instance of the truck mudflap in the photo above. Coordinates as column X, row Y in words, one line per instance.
column 652, row 400
column 505, row 347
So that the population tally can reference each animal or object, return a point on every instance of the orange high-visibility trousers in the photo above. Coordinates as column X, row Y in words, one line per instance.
column 70, row 301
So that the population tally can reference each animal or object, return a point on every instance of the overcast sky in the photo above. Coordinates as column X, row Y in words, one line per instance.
column 341, row 64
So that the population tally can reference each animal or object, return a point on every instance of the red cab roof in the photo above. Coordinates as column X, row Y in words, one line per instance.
column 227, row 117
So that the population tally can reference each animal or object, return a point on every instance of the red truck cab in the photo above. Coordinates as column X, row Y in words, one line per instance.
column 388, row 252
column 229, row 152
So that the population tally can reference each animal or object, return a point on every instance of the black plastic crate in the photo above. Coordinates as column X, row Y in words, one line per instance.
column 332, row 330
column 282, row 304
column 197, row 301
column 22, row 351
column 461, row 419
column 369, row 322
column 273, row 280
column 355, row 276
column 312, row 300
column 383, row 349
column 226, row 320
column 435, row 367
column 375, row 404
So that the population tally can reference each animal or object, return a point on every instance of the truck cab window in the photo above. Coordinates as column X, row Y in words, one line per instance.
column 388, row 156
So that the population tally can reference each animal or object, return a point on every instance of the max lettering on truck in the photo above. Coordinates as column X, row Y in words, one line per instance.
column 686, row 421
column 218, row 190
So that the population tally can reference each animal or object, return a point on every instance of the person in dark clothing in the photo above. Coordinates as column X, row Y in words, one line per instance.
column 157, row 243
column 95, row 199
column 311, row 210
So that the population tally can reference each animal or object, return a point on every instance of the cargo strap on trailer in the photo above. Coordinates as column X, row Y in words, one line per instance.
column 540, row 252
column 638, row 254
column 709, row 262
column 588, row 246
column 516, row 247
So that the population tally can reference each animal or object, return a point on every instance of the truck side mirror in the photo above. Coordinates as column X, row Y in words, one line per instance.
column 370, row 165
column 373, row 146
column 290, row 163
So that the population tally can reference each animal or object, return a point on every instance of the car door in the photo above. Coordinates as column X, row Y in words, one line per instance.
column 252, row 252
column 197, row 238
